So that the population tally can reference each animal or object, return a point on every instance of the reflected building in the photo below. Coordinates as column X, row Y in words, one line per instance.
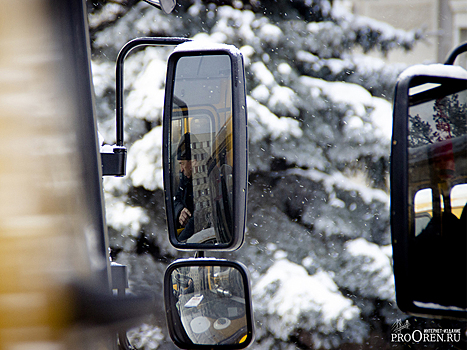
column 200, row 151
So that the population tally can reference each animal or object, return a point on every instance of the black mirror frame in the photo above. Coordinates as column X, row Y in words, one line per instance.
column 172, row 321
column 399, row 185
column 239, row 134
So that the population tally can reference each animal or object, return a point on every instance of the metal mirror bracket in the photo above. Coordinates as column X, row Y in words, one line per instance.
column 114, row 162
column 456, row 52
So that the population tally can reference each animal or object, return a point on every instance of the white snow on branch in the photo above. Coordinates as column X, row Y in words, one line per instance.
column 381, row 116
column 283, row 100
column 234, row 23
column 144, row 165
column 146, row 98
column 263, row 74
column 124, row 218
column 263, row 123
column 293, row 300
column 368, row 262
column 346, row 183
column 359, row 100
column 354, row 95
column 270, row 33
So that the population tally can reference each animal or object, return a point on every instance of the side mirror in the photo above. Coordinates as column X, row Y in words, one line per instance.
column 429, row 191
column 208, row 304
column 205, row 148
column 165, row 5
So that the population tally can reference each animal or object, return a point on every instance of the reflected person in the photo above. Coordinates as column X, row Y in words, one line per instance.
column 183, row 204
column 439, row 259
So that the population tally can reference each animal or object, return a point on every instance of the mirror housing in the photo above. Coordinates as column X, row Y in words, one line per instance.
column 205, row 147
column 429, row 191
column 166, row 6
column 208, row 304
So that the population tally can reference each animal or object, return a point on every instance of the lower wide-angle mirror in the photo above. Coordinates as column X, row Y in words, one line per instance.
column 208, row 304
column 429, row 191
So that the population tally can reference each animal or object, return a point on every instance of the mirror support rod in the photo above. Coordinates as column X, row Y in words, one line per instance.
column 156, row 41
column 199, row 254
column 456, row 52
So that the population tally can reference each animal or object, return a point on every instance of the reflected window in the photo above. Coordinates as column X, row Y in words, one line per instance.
column 459, row 201
column 423, row 209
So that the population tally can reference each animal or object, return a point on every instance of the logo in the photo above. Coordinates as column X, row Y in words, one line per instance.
column 398, row 326
column 401, row 333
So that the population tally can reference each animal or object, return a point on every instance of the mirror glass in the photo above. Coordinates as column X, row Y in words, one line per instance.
column 201, row 156
column 437, row 174
column 208, row 306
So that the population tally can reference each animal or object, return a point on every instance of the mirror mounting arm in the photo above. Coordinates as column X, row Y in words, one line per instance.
column 114, row 163
column 156, row 41
column 199, row 254
column 456, row 52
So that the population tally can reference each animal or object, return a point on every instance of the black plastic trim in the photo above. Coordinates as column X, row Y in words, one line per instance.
column 114, row 164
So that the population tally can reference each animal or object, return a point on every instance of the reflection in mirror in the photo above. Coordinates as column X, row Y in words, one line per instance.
column 207, row 305
column 458, row 200
column 418, row 89
column 438, row 192
column 165, row 5
column 201, row 149
column 423, row 206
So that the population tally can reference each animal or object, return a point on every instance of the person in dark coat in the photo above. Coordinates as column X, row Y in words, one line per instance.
column 183, row 204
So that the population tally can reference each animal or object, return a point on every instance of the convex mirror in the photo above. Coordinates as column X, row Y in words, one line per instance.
column 205, row 147
column 429, row 191
column 208, row 304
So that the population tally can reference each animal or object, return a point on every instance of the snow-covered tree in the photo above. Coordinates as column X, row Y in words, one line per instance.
column 319, row 118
